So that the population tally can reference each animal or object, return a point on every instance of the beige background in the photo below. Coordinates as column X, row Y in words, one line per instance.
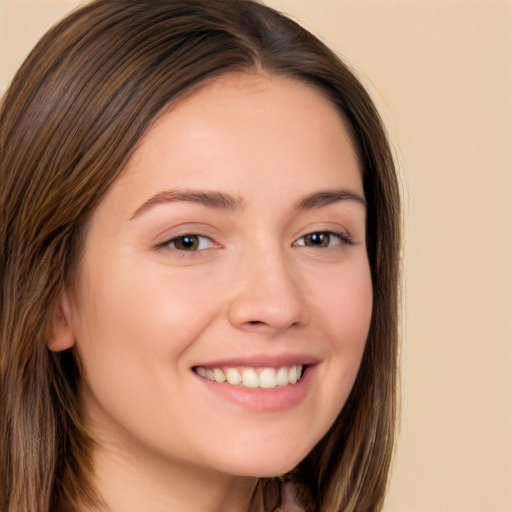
column 441, row 72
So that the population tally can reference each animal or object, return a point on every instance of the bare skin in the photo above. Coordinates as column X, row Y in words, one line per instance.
column 231, row 245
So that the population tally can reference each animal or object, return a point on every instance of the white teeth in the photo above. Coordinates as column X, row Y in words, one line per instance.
column 234, row 377
column 267, row 378
column 250, row 378
column 219, row 376
column 282, row 376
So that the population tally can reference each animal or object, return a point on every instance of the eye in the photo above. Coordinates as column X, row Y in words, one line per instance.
column 323, row 239
column 191, row 243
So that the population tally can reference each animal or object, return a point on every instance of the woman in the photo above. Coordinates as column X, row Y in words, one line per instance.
column 199, row 260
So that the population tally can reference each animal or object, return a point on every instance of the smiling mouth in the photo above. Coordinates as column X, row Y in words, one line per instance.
column 251, row 377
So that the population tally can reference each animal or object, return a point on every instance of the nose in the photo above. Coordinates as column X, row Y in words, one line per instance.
column 267, row 295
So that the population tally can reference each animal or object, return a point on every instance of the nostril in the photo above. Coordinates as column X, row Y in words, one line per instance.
column 254, row 310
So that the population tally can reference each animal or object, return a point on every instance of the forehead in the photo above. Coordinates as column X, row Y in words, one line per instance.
column 245, row 133
column 256, row 110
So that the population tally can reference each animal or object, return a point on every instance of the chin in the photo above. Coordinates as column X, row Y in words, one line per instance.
column 264, row 464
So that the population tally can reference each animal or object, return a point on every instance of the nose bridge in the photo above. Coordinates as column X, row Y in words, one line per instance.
column 267, row 292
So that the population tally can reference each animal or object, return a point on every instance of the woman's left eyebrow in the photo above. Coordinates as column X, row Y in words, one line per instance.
column 326, row 197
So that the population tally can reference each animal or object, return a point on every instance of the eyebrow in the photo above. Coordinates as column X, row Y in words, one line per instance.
column 223, row 201
column 210, row 199
column 327, row 197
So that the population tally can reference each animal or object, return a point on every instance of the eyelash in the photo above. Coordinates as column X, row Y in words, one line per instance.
column 341, row 238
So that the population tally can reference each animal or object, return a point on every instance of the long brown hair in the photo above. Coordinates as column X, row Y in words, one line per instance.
column 71, row 117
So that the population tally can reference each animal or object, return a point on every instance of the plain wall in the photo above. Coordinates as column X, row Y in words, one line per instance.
column 441, row 73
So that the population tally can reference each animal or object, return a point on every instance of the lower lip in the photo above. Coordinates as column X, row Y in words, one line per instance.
column 264, row 400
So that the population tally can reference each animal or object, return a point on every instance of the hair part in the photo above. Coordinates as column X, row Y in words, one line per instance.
column 71, row 118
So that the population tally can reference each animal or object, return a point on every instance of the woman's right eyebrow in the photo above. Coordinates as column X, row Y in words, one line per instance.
column 209, row 198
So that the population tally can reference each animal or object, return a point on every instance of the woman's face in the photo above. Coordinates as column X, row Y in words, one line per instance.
column 232, row 246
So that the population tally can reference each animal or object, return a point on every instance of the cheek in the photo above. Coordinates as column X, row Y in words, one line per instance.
column 145, row 309
column 134, row 327
column 345, row 312
column 346, row 308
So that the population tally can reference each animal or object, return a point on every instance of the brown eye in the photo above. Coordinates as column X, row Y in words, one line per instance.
column 186, row 243
column 323, row 240
column 317, row 240
column 190, row 243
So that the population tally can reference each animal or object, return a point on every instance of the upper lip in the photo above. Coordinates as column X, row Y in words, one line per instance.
column 263, row 361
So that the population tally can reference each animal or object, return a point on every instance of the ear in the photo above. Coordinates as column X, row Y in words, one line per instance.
column 61, row 337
